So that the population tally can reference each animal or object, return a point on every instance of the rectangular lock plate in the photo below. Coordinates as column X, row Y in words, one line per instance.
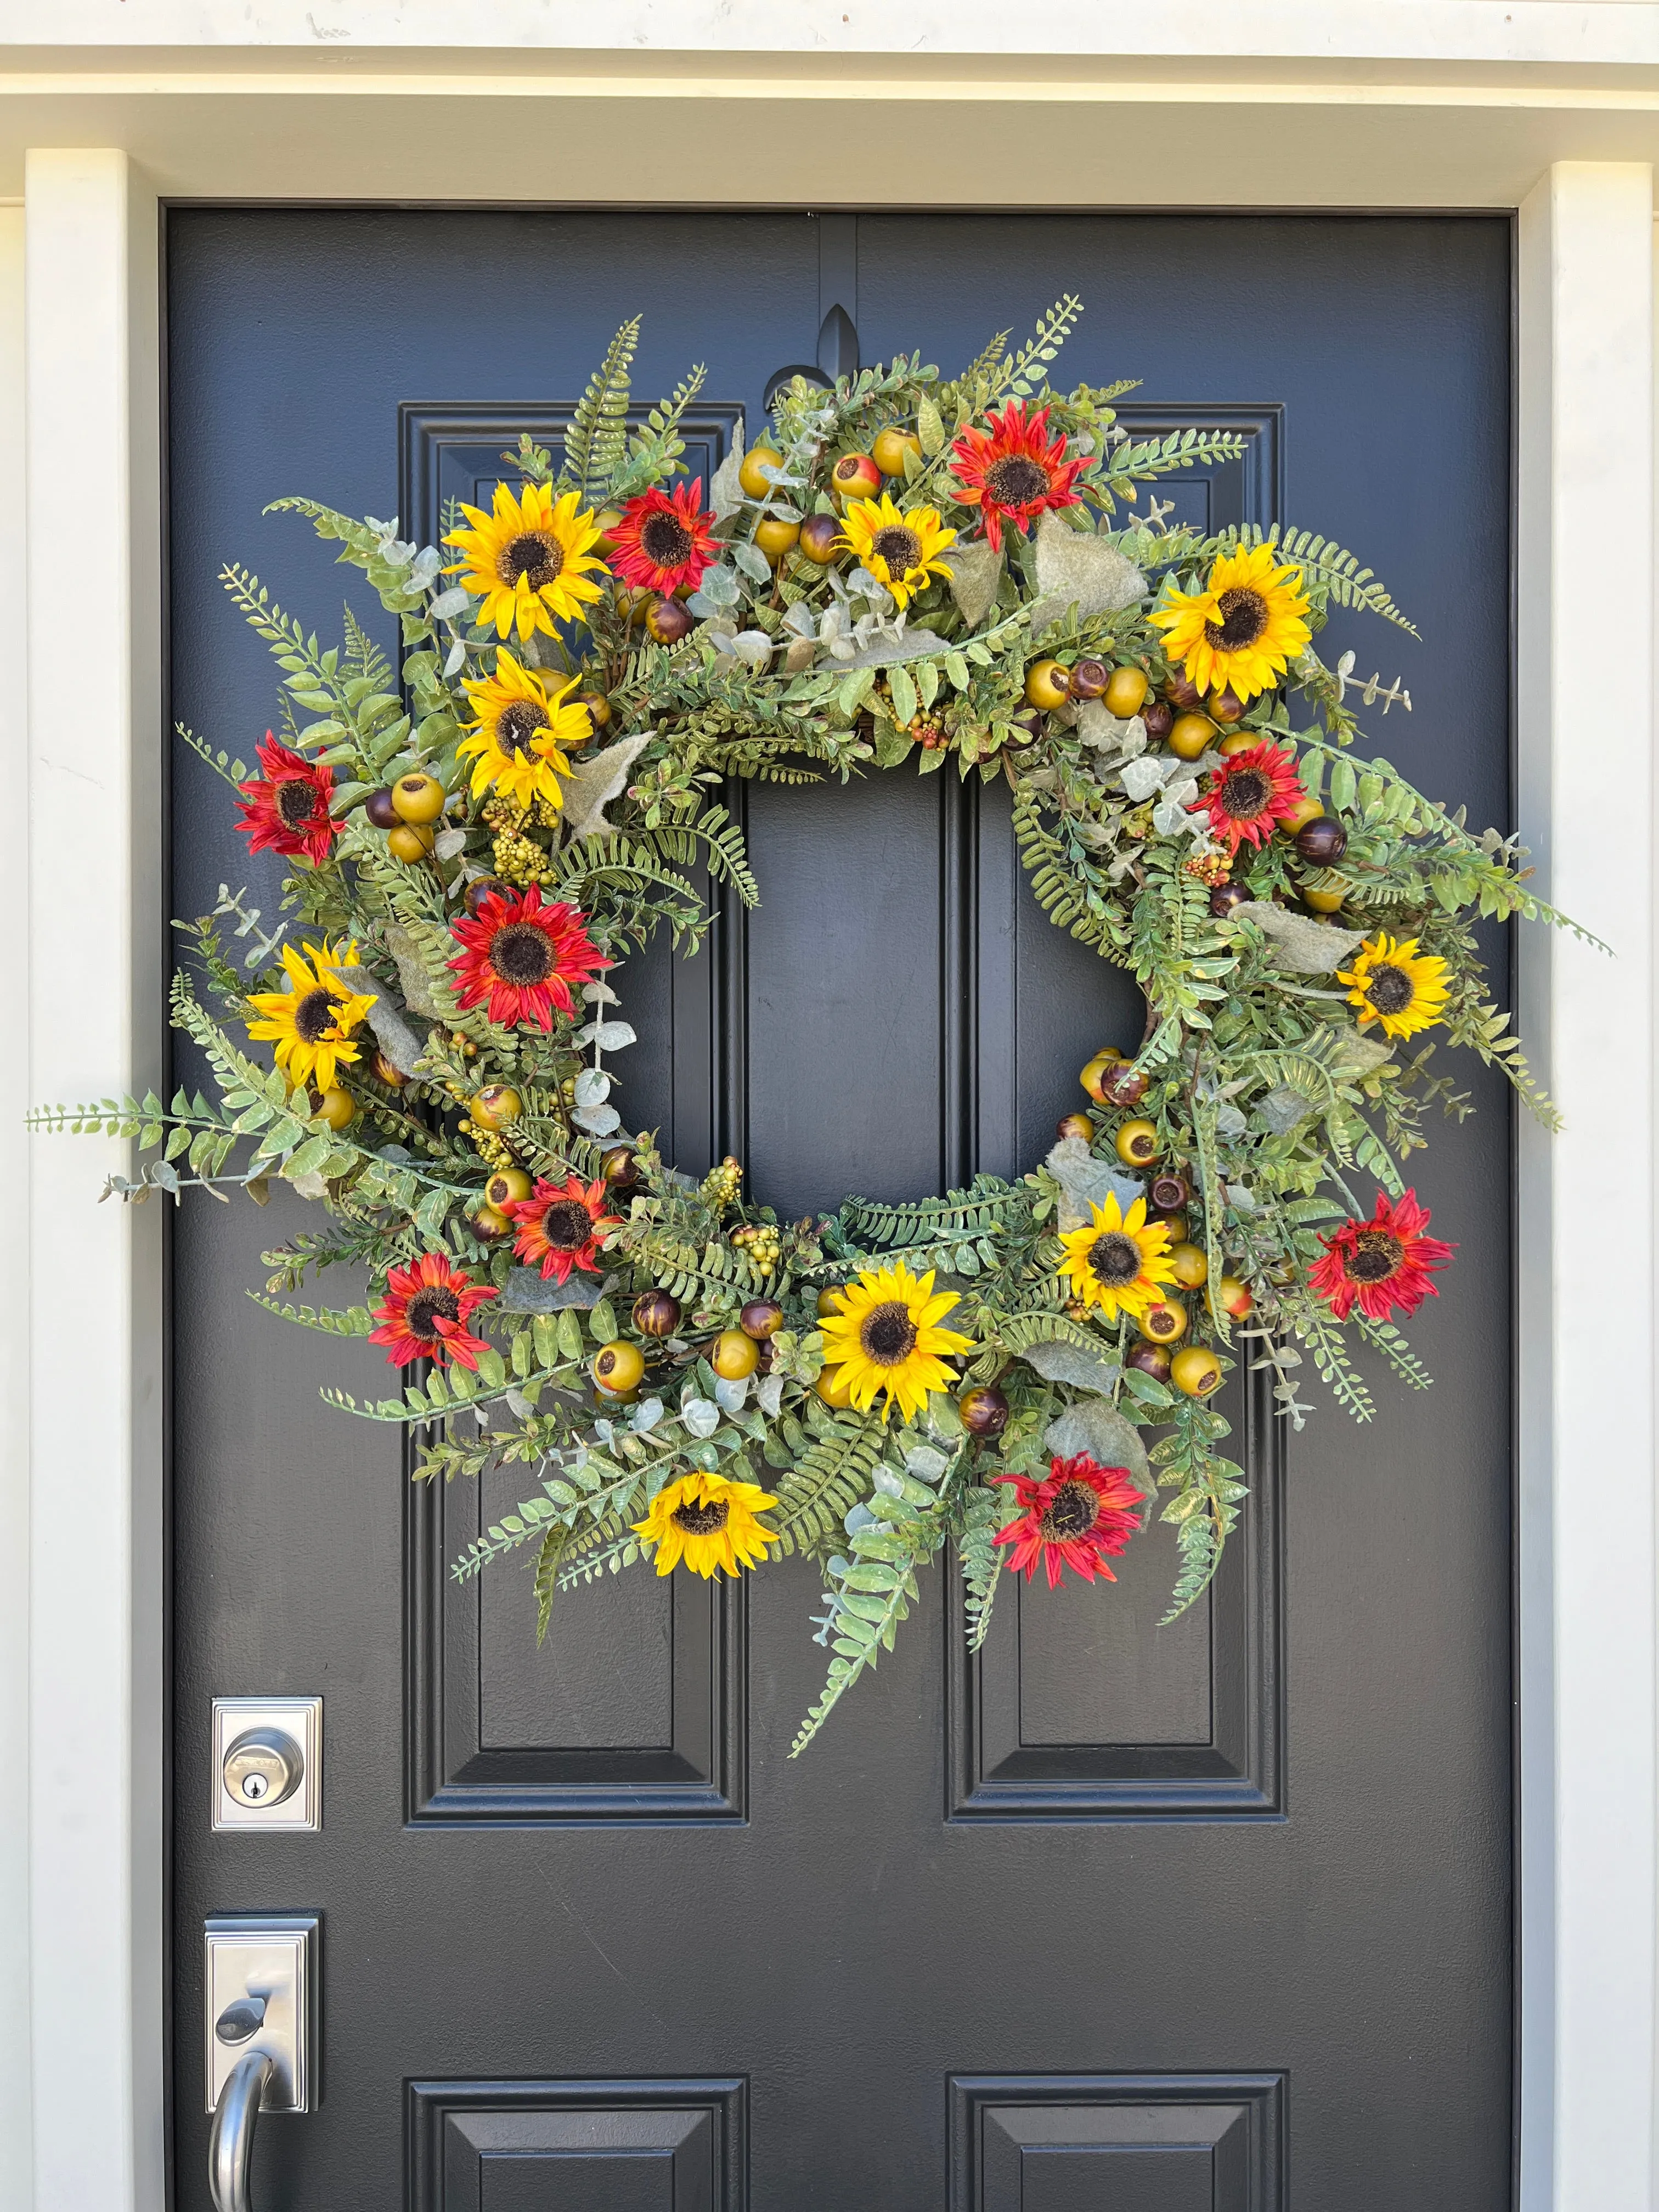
column 273, row 1956
column 299, row 1720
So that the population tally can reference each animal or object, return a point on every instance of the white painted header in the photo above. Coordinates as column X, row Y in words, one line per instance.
column 1596, row 33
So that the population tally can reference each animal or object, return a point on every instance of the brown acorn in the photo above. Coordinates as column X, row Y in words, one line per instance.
column 1323, row 841
column 1152, row 1360
column 1158, row 715
column 1225, row 896
column 484, row 887
column 984, row 1412
column 820, row 535
column 1168, row 1194
column 619, row 1168
column 380, row 809
column 1075, row 1125
column 761, row 1318
column 667, row 621
column 1089, row 679
column 1183, row 694
column 655, row 1313
column 1123, row 1086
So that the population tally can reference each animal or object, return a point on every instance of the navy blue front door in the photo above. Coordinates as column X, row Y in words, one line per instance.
column 1216, row 1915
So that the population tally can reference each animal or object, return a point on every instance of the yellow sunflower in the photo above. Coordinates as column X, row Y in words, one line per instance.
column 1242, row 628
column 899, row 550
column 886, row 1337
column 1120, row 1262
column 312, row 1022
column 707, row 1521
column 528, row 561
column 520, row 734
column 1394, row 984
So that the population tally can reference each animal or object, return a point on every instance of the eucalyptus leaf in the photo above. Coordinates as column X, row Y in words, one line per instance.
column 597, row 1121
column 701, row 1417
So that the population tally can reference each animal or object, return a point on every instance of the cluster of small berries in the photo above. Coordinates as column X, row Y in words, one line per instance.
column 760, row 1243
column 721, row 1186
column 518, row 859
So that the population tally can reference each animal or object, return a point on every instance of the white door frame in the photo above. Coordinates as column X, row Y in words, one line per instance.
column 80, row 2040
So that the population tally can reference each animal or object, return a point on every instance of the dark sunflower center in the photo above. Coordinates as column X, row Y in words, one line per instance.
column 1245, row 793
column 1014, row 479
column 296, row 803
column 427, row 1307
column 536, row 556
column 888, row 1333
column 1243, row 617
column 567, row 1226
column 314, row 1017
column 1376, row 1256
column 899, row 548
column 665, row 540
column 1113, row 1260
column 519, row 724
column 1389, row 990
column 521, row 955
column 1073, row 1514
column 701, row 1517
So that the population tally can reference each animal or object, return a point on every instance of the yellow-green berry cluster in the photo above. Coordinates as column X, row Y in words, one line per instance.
column 760, row 1243
column 722, row 1184
column 518, row 859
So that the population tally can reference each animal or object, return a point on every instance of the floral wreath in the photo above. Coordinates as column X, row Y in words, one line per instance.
column 907, row 569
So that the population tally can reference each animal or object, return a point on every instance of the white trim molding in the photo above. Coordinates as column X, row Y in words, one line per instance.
column 1587, row 1525
column 96, row 1775
column 1559, row 120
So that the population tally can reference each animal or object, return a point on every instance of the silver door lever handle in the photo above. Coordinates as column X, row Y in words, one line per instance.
column 230, row 2144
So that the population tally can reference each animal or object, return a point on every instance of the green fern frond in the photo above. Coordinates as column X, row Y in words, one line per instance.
column 596, row 442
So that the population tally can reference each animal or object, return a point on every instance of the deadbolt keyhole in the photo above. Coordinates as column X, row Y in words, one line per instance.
column 263, row 1767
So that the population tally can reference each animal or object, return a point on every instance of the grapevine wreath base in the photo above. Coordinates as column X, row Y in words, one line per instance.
column 909, row 573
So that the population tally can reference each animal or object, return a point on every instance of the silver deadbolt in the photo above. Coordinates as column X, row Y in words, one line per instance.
column 268, row 1764
column 263, row 1767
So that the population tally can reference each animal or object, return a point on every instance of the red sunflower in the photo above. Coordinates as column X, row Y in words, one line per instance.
column 523, row 957
column 560, row 1226
column 426, row 1311
column 1073, row 1519
column 286, row 810
column 1252, row 793
column 664, row 539
column 1014, row 470
column 1383, row 1265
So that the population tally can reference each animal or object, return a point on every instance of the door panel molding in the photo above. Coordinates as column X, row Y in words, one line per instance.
column 1002, row 1765
column 679, row 2145
column 1171, row 2142
column 692, row 1767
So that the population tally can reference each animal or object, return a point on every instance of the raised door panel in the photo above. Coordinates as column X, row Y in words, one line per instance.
column 578, row 2146
column 1197, row 2143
